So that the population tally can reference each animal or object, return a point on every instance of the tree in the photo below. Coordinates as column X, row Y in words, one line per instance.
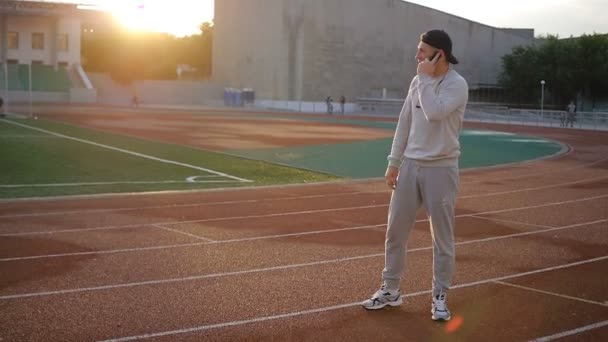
column 129, row 56
column 569, row 66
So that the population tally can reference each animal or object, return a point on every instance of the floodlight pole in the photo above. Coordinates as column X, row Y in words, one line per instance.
column 542, row 97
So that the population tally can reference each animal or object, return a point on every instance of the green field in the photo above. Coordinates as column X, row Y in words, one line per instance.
column 44, row 158
column 36, row 163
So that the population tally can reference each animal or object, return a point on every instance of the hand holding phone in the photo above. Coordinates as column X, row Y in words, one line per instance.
column 433, row 57
column 427, row 66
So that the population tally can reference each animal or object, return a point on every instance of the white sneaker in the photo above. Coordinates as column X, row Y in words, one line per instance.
column 382, row 298
column 440, row 308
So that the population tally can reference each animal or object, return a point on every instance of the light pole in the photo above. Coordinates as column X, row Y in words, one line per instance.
column 542, row 97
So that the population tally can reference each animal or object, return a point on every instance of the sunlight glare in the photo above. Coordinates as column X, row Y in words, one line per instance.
column 177, row 17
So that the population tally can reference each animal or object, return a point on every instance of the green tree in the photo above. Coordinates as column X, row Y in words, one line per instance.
column 569, row 66
column 129, row 56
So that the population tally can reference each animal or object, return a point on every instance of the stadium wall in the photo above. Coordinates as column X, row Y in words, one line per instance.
column 305, row 50
column 157, row 92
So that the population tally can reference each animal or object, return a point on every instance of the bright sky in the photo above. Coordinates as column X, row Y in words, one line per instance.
column 178, row 17
column 562, row 17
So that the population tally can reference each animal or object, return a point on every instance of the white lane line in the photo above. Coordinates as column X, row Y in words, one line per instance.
column 534, row 188
column 268, row 237
column 293, row 213
column 26, row 136
column 117, row 210
column 532, row 174
column 137, row 154
column 511, row 222
column 80, row 212
column 275, row 268
column 551, row 293
column 58, row 185
column 570, row 332
column 342, row 306
column 213, row 242
column 230, row 218
column 182, row 233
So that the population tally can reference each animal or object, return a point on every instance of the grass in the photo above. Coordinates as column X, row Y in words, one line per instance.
column 31, row 158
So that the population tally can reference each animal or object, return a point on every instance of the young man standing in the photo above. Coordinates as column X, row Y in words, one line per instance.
column 423, row 170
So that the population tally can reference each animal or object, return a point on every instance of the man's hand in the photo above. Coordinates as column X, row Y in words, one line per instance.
column 428, row 66
column 391, row 176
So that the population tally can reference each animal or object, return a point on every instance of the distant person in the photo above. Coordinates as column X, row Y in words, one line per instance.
column 571, row 109
column 330, row 106
column 562, row 119
column 135, row 101
column 342, row 103
column 2, row 108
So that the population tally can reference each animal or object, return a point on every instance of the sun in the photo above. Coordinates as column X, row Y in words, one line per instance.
column 177, row 17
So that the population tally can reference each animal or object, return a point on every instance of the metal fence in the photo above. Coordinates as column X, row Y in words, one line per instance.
column 485, row 112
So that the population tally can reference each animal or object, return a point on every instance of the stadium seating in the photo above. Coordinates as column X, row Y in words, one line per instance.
column 44, row 78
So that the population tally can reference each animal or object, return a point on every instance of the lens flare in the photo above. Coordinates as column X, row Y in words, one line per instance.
column 454, row 324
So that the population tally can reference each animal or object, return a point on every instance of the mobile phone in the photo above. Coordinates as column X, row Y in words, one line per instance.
column 433, row 56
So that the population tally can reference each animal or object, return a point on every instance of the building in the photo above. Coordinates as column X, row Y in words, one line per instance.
column 40, row 52
column 305, row 50
column 39, row 32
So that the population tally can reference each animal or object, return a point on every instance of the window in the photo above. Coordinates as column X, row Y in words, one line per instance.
column 62, row 42
column 38, row 41
column 12, row 61
column 13, row 40
column 63, row 65
column 37, row 62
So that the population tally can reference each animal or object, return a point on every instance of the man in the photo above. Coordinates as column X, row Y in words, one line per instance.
column 342, row 103
column 423, row 170
column 330, row 106
column 571, row 108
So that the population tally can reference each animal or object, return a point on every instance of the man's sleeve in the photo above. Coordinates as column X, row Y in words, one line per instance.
column 402, row 132
column 450, row 97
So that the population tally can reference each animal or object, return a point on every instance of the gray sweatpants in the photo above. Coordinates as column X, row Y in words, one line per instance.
column 435, row 188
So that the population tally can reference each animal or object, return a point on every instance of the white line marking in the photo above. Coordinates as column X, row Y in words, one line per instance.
column 342, row 306
column 27, row 136
column 214, row 242
column 273, row 268
column 295, row 213
column 80, row 212
column 571, row 332
column 543, row 173
column 511, row 222
column 182, row 233
column 534, row 188
column 166, row 161
column 550, row 293
column 14, row 186
column 194, row 221
column 267, row 237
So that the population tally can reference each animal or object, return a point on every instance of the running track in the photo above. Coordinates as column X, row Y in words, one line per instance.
column 293, row 262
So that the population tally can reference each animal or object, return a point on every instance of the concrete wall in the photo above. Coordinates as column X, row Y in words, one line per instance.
column 150, row 92
column 248, row 50
column 309, row 49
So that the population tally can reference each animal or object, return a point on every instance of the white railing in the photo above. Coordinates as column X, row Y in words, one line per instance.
column 535, row 117
column 83, row 76
column 477, row 112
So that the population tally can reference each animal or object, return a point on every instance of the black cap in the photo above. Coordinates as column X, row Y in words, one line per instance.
column 439, row 39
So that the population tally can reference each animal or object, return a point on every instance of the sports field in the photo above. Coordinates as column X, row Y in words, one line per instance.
column 291, row 262
column 98, row 151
